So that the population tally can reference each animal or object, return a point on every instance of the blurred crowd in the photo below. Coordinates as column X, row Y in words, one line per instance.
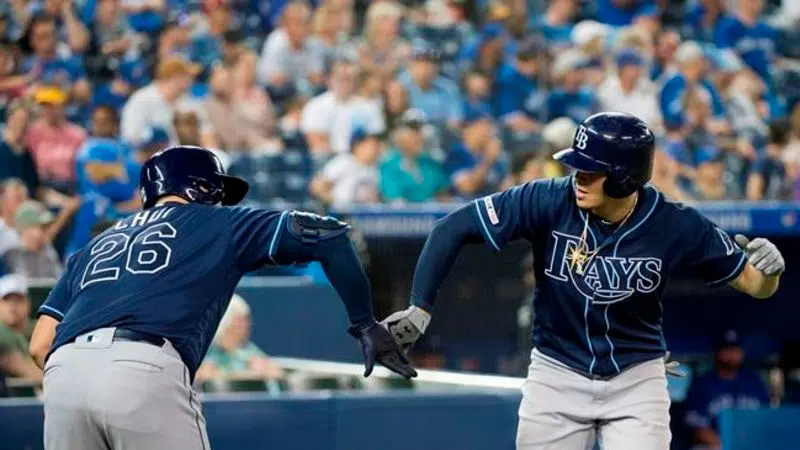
column 331, row 103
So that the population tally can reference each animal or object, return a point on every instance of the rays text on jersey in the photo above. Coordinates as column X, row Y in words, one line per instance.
column 603, row 278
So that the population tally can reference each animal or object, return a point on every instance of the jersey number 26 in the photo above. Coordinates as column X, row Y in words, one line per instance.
column 146, row 254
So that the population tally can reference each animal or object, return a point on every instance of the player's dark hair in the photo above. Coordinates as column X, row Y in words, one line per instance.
column 779, row 132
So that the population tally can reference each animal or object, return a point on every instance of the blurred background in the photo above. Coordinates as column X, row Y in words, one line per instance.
column 389, row 114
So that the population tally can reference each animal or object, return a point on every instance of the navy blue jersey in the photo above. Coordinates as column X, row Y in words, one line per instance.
column 709, row 395
column 604, row 315
column 169, row 271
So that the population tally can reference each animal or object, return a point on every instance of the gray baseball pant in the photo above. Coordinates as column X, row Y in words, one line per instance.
column 564, row 410
column 101, row 394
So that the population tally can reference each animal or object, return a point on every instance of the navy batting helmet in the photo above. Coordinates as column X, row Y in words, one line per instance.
column 617, row 144
column 192, row 173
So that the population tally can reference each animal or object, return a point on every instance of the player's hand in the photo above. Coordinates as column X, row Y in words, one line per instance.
column 407, row 326
column 378, row 345
column 762, row 254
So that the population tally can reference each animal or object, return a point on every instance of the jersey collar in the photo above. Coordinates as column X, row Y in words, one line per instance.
column 649, row 198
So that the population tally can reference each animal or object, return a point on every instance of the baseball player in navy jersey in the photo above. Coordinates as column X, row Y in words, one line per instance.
column 604, row 243
column 123, row 332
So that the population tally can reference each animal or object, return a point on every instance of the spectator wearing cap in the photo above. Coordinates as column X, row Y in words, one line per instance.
column 555, row 25
column 53, row 140
column 701, row 19
column 728, row 385
column 477, row 165
column 350, row 178
column 330, row 118
column 15, row 157
column 145, row 16
column 108, row 188
column 747, row 35
column 630, row 90
column 52, row 67
column 620, row 13
column 289, row 60
column 435, row 95
column 516, row 86
column 709, row 183
column 382, row 50
column 691, row 74
column 111, row 38
column 767, row 179
column 15, row 328
column 130, row 75
column 591, row 39
column 35, row 256
column 408, row 172
column 569, row 98
column 15, row 310
column 155, row 104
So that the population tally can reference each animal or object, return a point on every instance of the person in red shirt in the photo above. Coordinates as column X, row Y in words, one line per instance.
column 53, row 141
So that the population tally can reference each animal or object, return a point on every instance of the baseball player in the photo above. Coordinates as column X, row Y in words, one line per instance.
column 604, row 245
column 124, row 330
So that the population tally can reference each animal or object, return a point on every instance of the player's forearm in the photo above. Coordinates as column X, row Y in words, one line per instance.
column 439, row 254
column 344, row 270
column 755, row 283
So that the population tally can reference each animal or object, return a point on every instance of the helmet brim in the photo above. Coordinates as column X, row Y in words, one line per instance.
column 580, row 161
column 234, row 188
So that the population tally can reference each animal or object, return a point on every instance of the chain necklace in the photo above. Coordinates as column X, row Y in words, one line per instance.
column 580, row 256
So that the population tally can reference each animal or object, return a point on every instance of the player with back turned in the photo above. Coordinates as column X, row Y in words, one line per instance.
column 604, row 244
column 124, row 330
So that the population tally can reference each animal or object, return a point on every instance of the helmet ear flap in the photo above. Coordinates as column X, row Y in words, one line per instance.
column 619, row 183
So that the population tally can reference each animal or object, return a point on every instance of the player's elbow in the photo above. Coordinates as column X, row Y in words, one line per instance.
column 38, row 351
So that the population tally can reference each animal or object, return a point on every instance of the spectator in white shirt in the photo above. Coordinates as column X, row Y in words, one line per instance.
column 351, row 178
column 630, row 91
column 329, row 118
column 289, row 56
column 154, row 105
column 13, row 194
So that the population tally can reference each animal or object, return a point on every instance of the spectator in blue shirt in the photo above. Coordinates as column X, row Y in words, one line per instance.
column 206, row 47
column 747, row 35
column 477, row 92
column 39, row 43
column 620, row 13
column 129, row 76
column 555, row 25
column 727, row 386
column 408, row 172
column 477, row 165
column 15, row 158
column 702, row 18
column 437, row 96
column 691, row 73
column 516, row 83
column 487, row 51
column 569, row 98
column 768, row 179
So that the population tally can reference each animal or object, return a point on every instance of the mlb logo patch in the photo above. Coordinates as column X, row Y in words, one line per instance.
column 490, row 211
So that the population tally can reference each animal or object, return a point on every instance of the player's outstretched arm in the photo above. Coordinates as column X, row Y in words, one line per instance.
column 765, row 264
column 434, row 264
column 324, row 239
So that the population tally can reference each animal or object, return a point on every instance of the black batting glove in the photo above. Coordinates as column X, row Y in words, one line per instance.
column 377, row 345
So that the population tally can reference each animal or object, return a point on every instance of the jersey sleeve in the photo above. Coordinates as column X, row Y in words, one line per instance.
column 60, row 297
column 255, row 234
column 510, row 214
column 712, row 253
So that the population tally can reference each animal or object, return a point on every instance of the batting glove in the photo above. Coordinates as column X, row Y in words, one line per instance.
column 762, row 254
column 407, row 326
column 378, row 345
column 673, row 367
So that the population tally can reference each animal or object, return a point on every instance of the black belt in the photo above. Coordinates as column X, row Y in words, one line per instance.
column 122, row 334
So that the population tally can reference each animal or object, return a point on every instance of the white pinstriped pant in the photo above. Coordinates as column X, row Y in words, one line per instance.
column 564, row 410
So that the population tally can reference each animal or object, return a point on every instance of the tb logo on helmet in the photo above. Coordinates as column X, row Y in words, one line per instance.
column 581, row 138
